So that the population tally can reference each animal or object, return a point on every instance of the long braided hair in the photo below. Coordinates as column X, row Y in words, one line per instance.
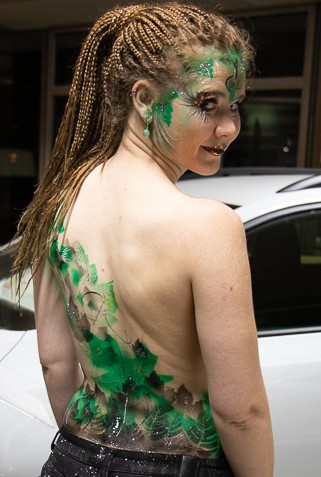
column 126, row 44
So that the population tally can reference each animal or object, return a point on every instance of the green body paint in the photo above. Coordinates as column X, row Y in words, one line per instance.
column 233, row 62
column 203, row 67
column 124, row 402
column 164, row 109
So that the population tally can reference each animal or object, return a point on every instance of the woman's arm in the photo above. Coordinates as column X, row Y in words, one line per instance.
column 61, row 369
column 227, row 334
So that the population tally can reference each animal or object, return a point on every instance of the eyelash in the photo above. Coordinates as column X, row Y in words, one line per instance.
column 204, row 105
column 201, row 108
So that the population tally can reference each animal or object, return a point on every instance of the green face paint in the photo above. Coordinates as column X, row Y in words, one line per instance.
column 124, row 402
column 204, row 67
column 162, row 118
column 164, row 109
column 198, row 68
column 233, row 63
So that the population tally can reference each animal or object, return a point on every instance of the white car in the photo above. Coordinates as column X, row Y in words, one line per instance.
column 282, row 218
column 284, row 243
column 27, row 425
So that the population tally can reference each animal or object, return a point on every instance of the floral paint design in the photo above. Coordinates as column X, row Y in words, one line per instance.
column 124, row 402
column 197, row 69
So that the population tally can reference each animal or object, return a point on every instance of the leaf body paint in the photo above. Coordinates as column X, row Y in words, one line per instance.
column 124, row 401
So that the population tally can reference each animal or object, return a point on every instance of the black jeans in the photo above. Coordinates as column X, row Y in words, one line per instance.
column 75, row 457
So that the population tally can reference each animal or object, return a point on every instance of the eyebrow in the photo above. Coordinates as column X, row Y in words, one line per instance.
column 211, row 93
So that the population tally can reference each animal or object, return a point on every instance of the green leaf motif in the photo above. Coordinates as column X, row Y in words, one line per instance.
column 164, row 109
column 86, row 408
column 127, row 398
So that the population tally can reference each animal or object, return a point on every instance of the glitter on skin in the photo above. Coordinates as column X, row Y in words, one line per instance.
column 203, row 67
column 164, row 109
column 162, row 114
column 124, row 402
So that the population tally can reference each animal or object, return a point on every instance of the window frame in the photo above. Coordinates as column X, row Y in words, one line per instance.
column 302, row 83
column 305, row 138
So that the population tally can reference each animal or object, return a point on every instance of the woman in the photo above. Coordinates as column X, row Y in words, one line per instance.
column 143, row 300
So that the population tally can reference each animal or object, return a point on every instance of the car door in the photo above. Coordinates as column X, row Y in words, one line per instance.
column 285, row 256
column 27, row 425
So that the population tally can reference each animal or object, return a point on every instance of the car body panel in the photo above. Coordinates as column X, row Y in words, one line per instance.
column 290, row 359
column 22, row 384
column 24, row 442
column 27, row 422
column 236, row 190
column 279, row 202
column 291, row 368
column 8, row 340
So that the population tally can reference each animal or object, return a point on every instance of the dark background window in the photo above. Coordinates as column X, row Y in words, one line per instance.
column 20, row 90
column 67, row 51
column 280, row 43
column 269, row 131
column 271, row 117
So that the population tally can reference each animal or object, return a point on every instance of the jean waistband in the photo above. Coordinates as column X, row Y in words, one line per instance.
column 104, row 457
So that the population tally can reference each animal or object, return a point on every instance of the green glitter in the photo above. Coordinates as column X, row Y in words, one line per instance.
column 204, row 67
column 124, row 371
column 233, row 63
column 66, row 253
column 164, row 109
column 86, row 406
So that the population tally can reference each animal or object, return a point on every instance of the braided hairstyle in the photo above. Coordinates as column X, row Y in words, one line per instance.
column 126, row 44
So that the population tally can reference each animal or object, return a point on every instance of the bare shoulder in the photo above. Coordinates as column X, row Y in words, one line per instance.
column 211, row 222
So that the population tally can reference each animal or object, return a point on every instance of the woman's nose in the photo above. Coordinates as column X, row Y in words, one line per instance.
column 227, row 126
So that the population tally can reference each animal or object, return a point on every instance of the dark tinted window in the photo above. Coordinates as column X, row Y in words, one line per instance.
column 67, row 50
column 280, row 42
column 20, row 88
column 285, row 259
column 269, row 132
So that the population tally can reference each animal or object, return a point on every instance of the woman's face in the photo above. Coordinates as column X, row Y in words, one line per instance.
column 195, row 125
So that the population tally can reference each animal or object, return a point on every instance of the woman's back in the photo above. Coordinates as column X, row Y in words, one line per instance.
column 121, row 259
column 144, row 318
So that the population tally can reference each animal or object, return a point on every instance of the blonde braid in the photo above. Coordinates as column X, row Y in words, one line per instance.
column 144, row 35
column 126, row 44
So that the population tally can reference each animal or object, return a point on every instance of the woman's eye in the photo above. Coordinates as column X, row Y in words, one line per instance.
column 235, row 107
column 208, row 105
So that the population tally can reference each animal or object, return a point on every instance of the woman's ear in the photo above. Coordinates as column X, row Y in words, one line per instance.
column 143, row 95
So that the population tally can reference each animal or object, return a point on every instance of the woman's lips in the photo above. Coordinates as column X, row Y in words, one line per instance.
column 214, row 150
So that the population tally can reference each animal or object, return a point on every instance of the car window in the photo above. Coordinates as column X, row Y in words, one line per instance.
column 285, row 260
